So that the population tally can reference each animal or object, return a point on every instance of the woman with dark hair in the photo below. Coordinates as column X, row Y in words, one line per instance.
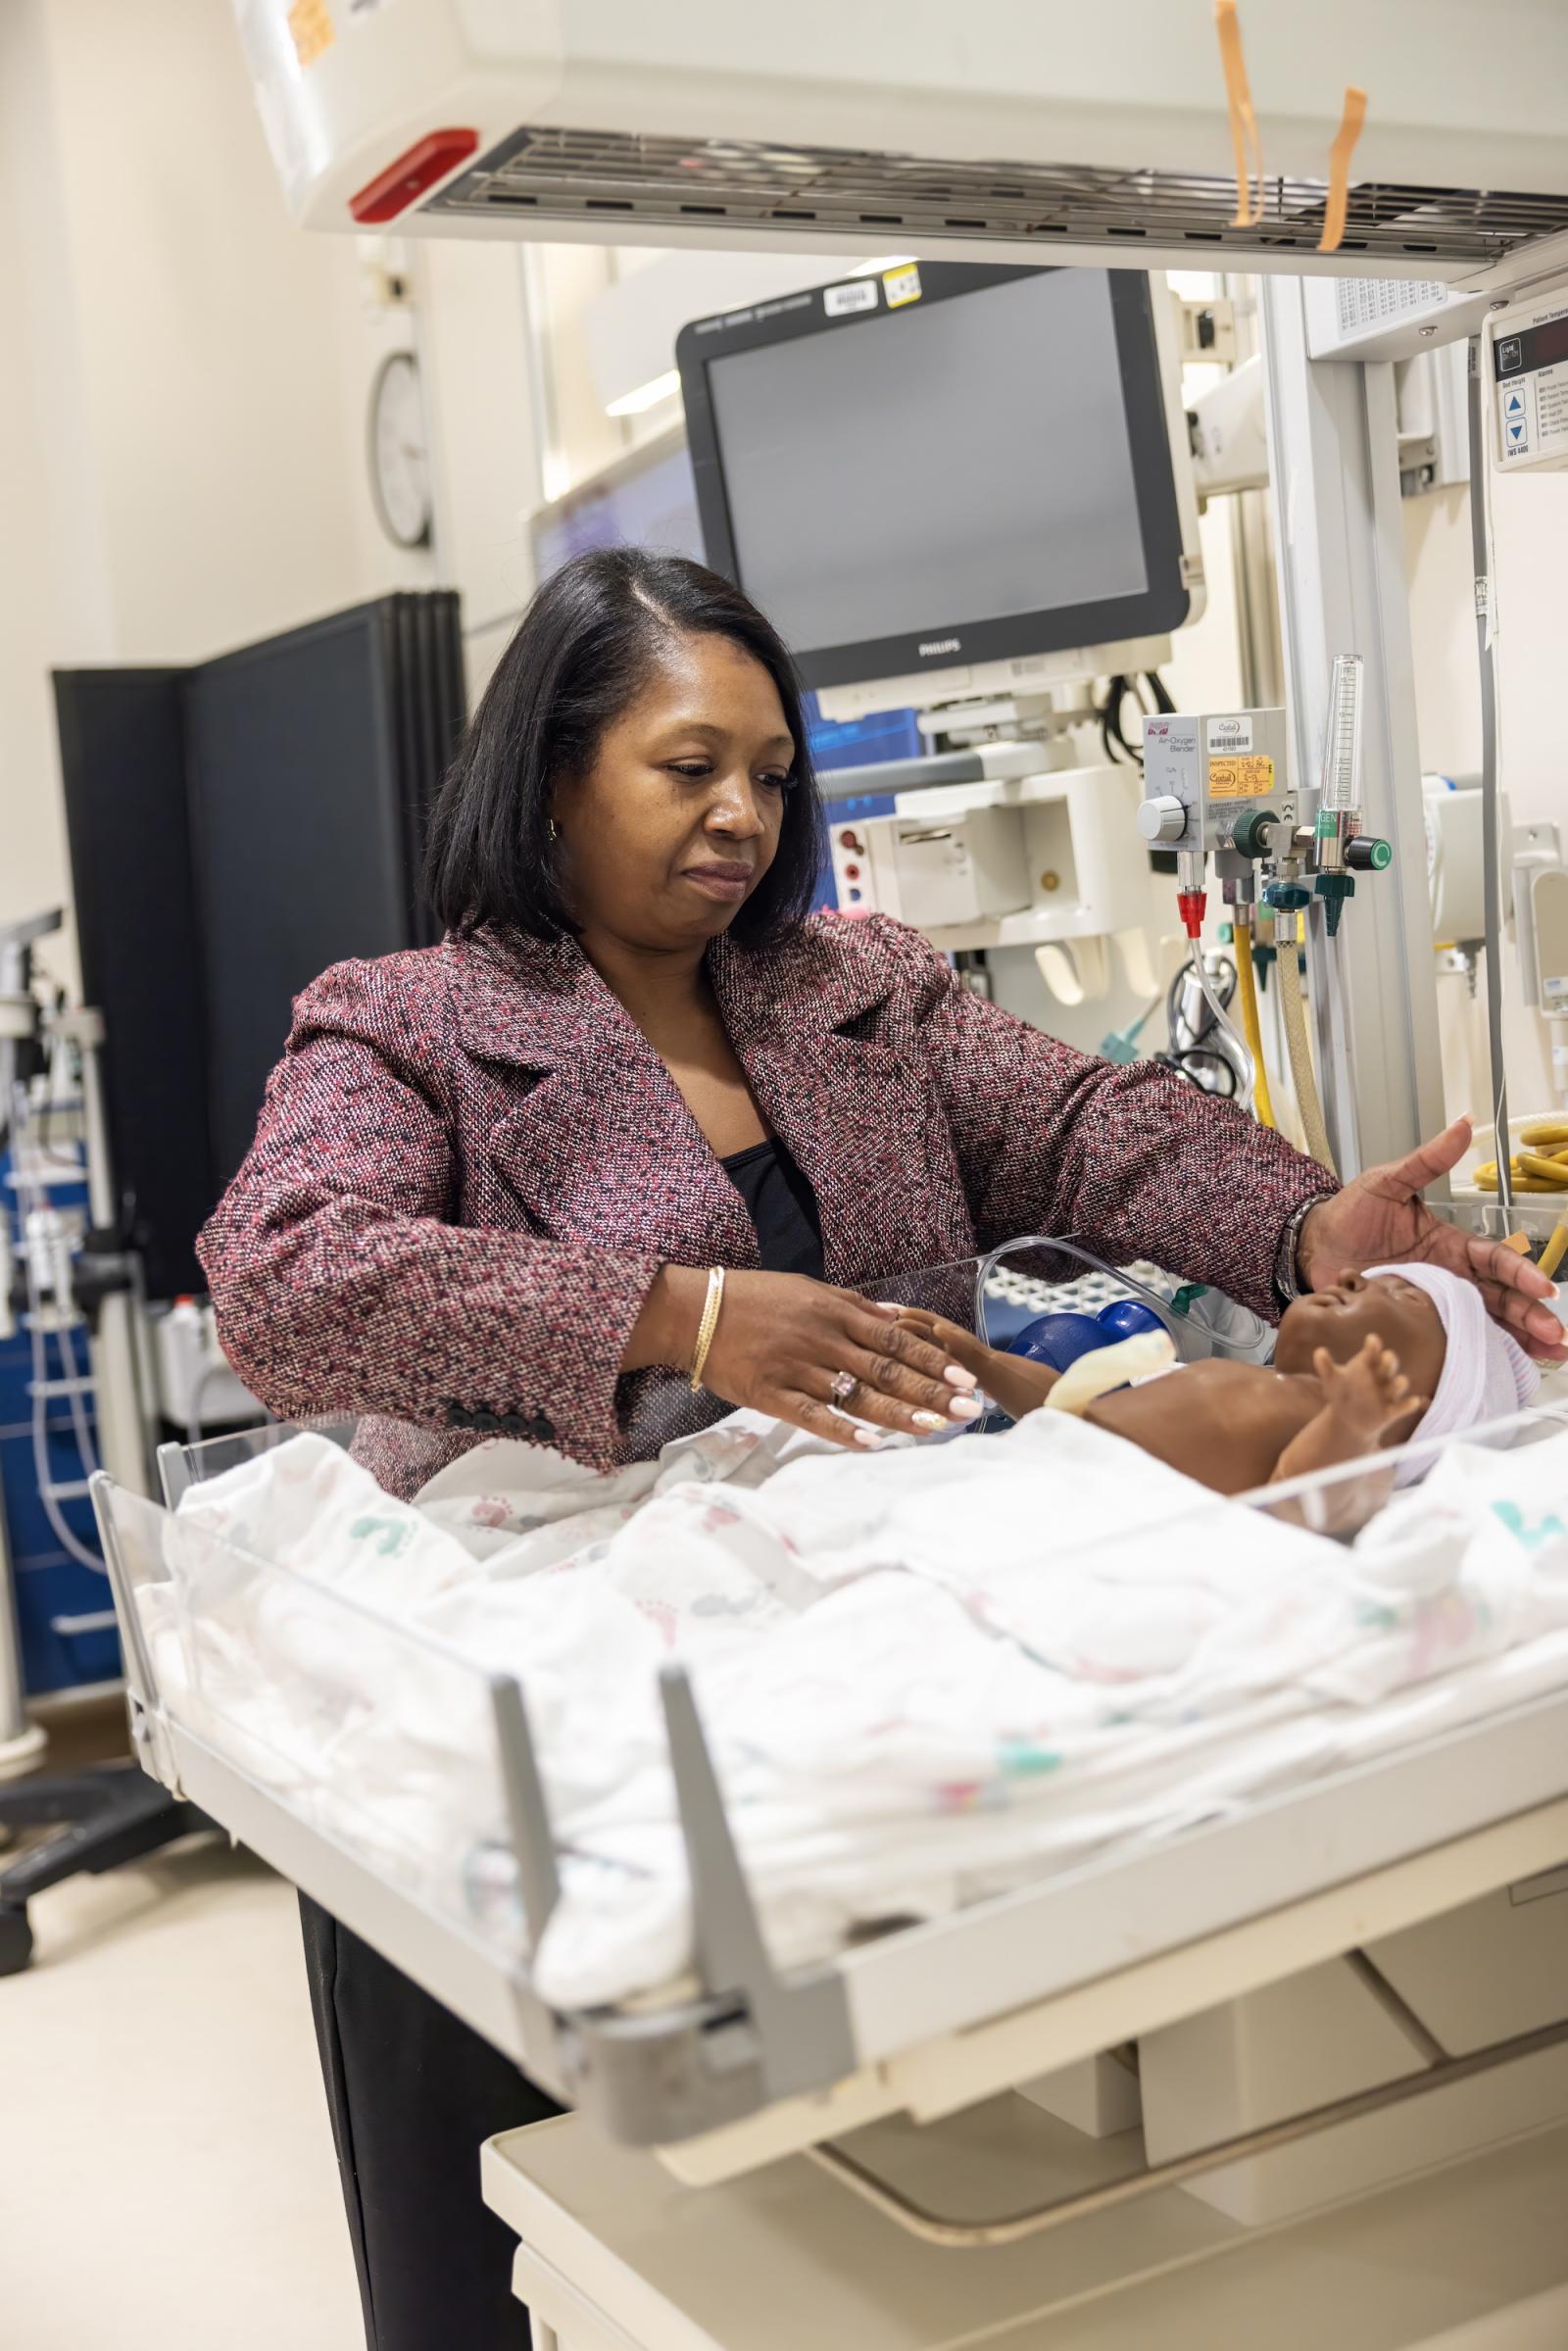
column 615, row 1156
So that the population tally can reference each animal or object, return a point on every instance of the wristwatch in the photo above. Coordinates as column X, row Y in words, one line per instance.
column 1286, row 1271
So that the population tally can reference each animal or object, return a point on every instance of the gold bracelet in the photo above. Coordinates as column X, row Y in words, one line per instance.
column 709, row 1323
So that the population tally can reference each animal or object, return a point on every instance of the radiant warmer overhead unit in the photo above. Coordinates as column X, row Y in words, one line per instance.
column 945, row 131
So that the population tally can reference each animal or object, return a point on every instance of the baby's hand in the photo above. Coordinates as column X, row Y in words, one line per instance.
column 1369, row 1396
column 962, row 1344
column 1010, row 1381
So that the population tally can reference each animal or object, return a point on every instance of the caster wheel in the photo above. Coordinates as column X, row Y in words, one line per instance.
column 16, row 1939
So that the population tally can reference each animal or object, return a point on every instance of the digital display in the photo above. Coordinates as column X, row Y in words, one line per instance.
column 1543, row 346
column 966, row 459
column 654, row 507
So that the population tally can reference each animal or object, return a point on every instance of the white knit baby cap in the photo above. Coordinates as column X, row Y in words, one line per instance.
column 1486, row 1376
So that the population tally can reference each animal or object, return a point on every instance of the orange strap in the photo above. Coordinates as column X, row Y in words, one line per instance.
column 1243, row 122
column 1339, row 154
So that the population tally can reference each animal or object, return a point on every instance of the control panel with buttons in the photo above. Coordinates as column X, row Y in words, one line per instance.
column 1529, row 347
column 849, row 845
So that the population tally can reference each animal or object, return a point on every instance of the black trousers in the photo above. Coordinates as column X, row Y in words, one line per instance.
column 413, row 2094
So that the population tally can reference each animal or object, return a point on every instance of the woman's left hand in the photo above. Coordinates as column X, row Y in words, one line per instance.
column 1381, row 1220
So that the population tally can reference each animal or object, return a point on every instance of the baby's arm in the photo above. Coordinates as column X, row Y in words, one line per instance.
column 1367, row 1406
column 1013, row 1382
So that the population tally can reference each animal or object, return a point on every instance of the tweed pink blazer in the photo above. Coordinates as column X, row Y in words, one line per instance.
column 470, row 1163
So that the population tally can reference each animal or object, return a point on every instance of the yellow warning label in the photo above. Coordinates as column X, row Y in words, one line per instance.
column 1246, row 778
column 901, row 285
column 310, row 24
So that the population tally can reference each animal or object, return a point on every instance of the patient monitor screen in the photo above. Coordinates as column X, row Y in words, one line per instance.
column 968, row 461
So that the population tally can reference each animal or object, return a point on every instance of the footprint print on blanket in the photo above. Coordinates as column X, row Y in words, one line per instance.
column 395, row 1534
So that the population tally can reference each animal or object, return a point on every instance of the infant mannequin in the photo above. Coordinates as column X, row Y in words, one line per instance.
column 1354, row 1370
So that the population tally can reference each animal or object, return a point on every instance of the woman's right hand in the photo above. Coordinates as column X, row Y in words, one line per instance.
column 782, row 1340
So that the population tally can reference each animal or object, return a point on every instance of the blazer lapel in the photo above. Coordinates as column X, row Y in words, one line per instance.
column 597, row 1142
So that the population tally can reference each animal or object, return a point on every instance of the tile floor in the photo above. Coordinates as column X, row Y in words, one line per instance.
column 166, row 2177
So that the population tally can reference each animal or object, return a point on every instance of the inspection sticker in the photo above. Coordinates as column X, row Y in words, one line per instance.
column 1240, row 779
column 1230, row 734
column 310, row 24
column 856, row 294
column 901, row 285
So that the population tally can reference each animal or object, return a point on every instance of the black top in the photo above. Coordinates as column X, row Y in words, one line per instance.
column 781, row 1204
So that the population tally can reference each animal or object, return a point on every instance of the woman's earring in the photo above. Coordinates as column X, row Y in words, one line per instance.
column 554, row 830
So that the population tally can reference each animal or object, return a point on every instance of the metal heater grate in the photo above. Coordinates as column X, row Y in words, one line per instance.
column 669, row 182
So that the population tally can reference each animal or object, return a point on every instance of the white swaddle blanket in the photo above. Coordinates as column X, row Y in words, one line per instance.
column 924, row 1675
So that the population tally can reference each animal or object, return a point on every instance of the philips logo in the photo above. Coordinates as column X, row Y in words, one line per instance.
column 939, row 645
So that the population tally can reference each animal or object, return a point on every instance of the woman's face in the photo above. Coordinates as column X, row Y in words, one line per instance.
column 670, row 831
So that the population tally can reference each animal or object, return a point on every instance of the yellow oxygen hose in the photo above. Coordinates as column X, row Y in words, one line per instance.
column 1247, row 986
column 1307, row 1097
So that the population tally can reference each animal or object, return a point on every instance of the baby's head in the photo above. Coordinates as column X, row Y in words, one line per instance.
column 1450, row 1348
column 1388, row 1306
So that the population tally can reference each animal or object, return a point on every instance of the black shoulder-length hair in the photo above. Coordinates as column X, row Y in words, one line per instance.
column 583, row 651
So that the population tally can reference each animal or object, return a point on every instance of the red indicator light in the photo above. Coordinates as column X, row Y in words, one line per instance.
column 393, row 190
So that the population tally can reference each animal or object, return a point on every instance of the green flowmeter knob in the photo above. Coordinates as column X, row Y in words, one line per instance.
column 1287, row 898
column 1226, row 934
column 1250, row 836
column 1366, row 854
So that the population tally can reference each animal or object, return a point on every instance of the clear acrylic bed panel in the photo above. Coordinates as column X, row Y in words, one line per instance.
column 180, row 1465
column 1341, row 1501
column 997, row 1294
column 392, row 1747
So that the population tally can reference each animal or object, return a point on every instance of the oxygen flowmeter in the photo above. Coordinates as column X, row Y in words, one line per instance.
column 1219, row 786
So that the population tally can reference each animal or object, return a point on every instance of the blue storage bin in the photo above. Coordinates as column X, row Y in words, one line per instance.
column 861, row 742
column 838, row 743
column 52, row 1596
column 49, row 1583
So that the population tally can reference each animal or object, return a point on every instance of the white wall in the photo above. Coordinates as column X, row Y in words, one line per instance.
column 474, row 340
column 53, row 579
column 209, row 352
column 184, row 380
